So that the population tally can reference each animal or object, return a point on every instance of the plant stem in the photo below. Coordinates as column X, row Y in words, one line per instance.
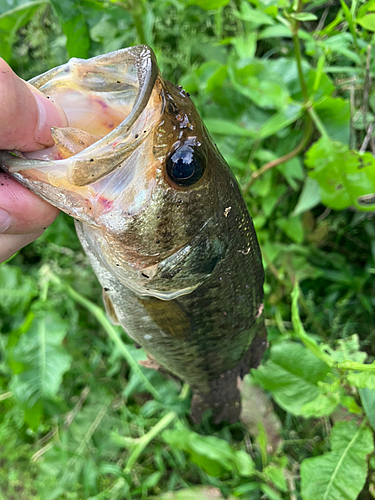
column 114, row 336
column 99, row 314
column 147, row 438
column 317, row 122
column 274, row 163
column 297, row 52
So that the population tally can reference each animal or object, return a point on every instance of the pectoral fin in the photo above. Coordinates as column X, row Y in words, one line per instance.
column 168, row 316
column 110, row 310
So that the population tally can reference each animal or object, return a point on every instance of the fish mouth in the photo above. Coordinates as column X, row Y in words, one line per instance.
column 112, row 103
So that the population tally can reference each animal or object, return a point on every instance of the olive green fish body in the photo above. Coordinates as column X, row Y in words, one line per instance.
column 160, row 217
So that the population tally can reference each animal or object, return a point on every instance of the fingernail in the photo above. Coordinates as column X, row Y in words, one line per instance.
column 50, row 115
column 5, row 220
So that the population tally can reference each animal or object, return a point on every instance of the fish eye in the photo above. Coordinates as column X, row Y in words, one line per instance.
column 186, row 166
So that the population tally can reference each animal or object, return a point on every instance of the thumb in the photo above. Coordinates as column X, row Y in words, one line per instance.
column 27, row 114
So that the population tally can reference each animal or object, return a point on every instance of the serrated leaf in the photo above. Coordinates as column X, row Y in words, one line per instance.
column 341, row 473
column 74, row 26
column 362, row 379
column 292, row 375
column 44, row 360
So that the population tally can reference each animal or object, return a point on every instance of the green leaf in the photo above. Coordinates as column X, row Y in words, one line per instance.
column 73, row 23
column 44, row 360
column 281, row 120
column 341, row 473
column 292, row 227
column 292, row 375
column 225, row 127
column 349, row 18
column 367, row 22
column 213, row 455
column 362, row 380
column 368, row 403
column 259, row 85
column 324, row 404
column 254, row 16
column 11, row 21
column 209, row 4
column 276, row 474
column 304, row 16
column 16, row 289
column 344, row 175
column 335, row 116
column 195, row 493
column 309, row 197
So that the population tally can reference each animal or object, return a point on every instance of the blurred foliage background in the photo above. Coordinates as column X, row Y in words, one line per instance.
column 286, row 90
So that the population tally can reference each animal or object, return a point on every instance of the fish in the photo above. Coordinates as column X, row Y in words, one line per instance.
column 161, row 218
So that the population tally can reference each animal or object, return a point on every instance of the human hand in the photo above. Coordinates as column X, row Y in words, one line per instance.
column 27, row 117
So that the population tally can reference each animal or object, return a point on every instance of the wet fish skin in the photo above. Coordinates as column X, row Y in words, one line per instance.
column 182, row 272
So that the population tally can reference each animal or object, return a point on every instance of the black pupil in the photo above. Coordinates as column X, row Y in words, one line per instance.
column 185, row 166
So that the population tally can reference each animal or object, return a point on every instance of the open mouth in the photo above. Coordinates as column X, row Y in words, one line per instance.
column 112, row 104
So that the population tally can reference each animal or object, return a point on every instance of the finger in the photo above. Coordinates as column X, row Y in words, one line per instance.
column 26, row 114
column 11, row 243
column 21, row 212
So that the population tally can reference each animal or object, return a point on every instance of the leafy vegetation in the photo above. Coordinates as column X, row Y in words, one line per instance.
column 286, row 90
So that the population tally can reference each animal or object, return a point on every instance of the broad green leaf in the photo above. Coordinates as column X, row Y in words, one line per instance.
column 225, row 127
column 254, row 81
column 367, row 22
column 16, row 289
column 292, row 375
column 309, row 197
column 74, row 26
column 343, row 175
column 254, row 16
column 281, row 120
column 209, row 4
column 212, row 454
column 276, row 474
column 341, row 473
column 368, row 402
column 335, row 116
column 44, row 360
column 292, row 227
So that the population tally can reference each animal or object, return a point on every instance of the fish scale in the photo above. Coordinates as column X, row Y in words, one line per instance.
column 162, row 220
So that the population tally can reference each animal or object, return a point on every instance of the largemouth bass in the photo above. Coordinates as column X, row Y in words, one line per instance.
column 161, row 218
